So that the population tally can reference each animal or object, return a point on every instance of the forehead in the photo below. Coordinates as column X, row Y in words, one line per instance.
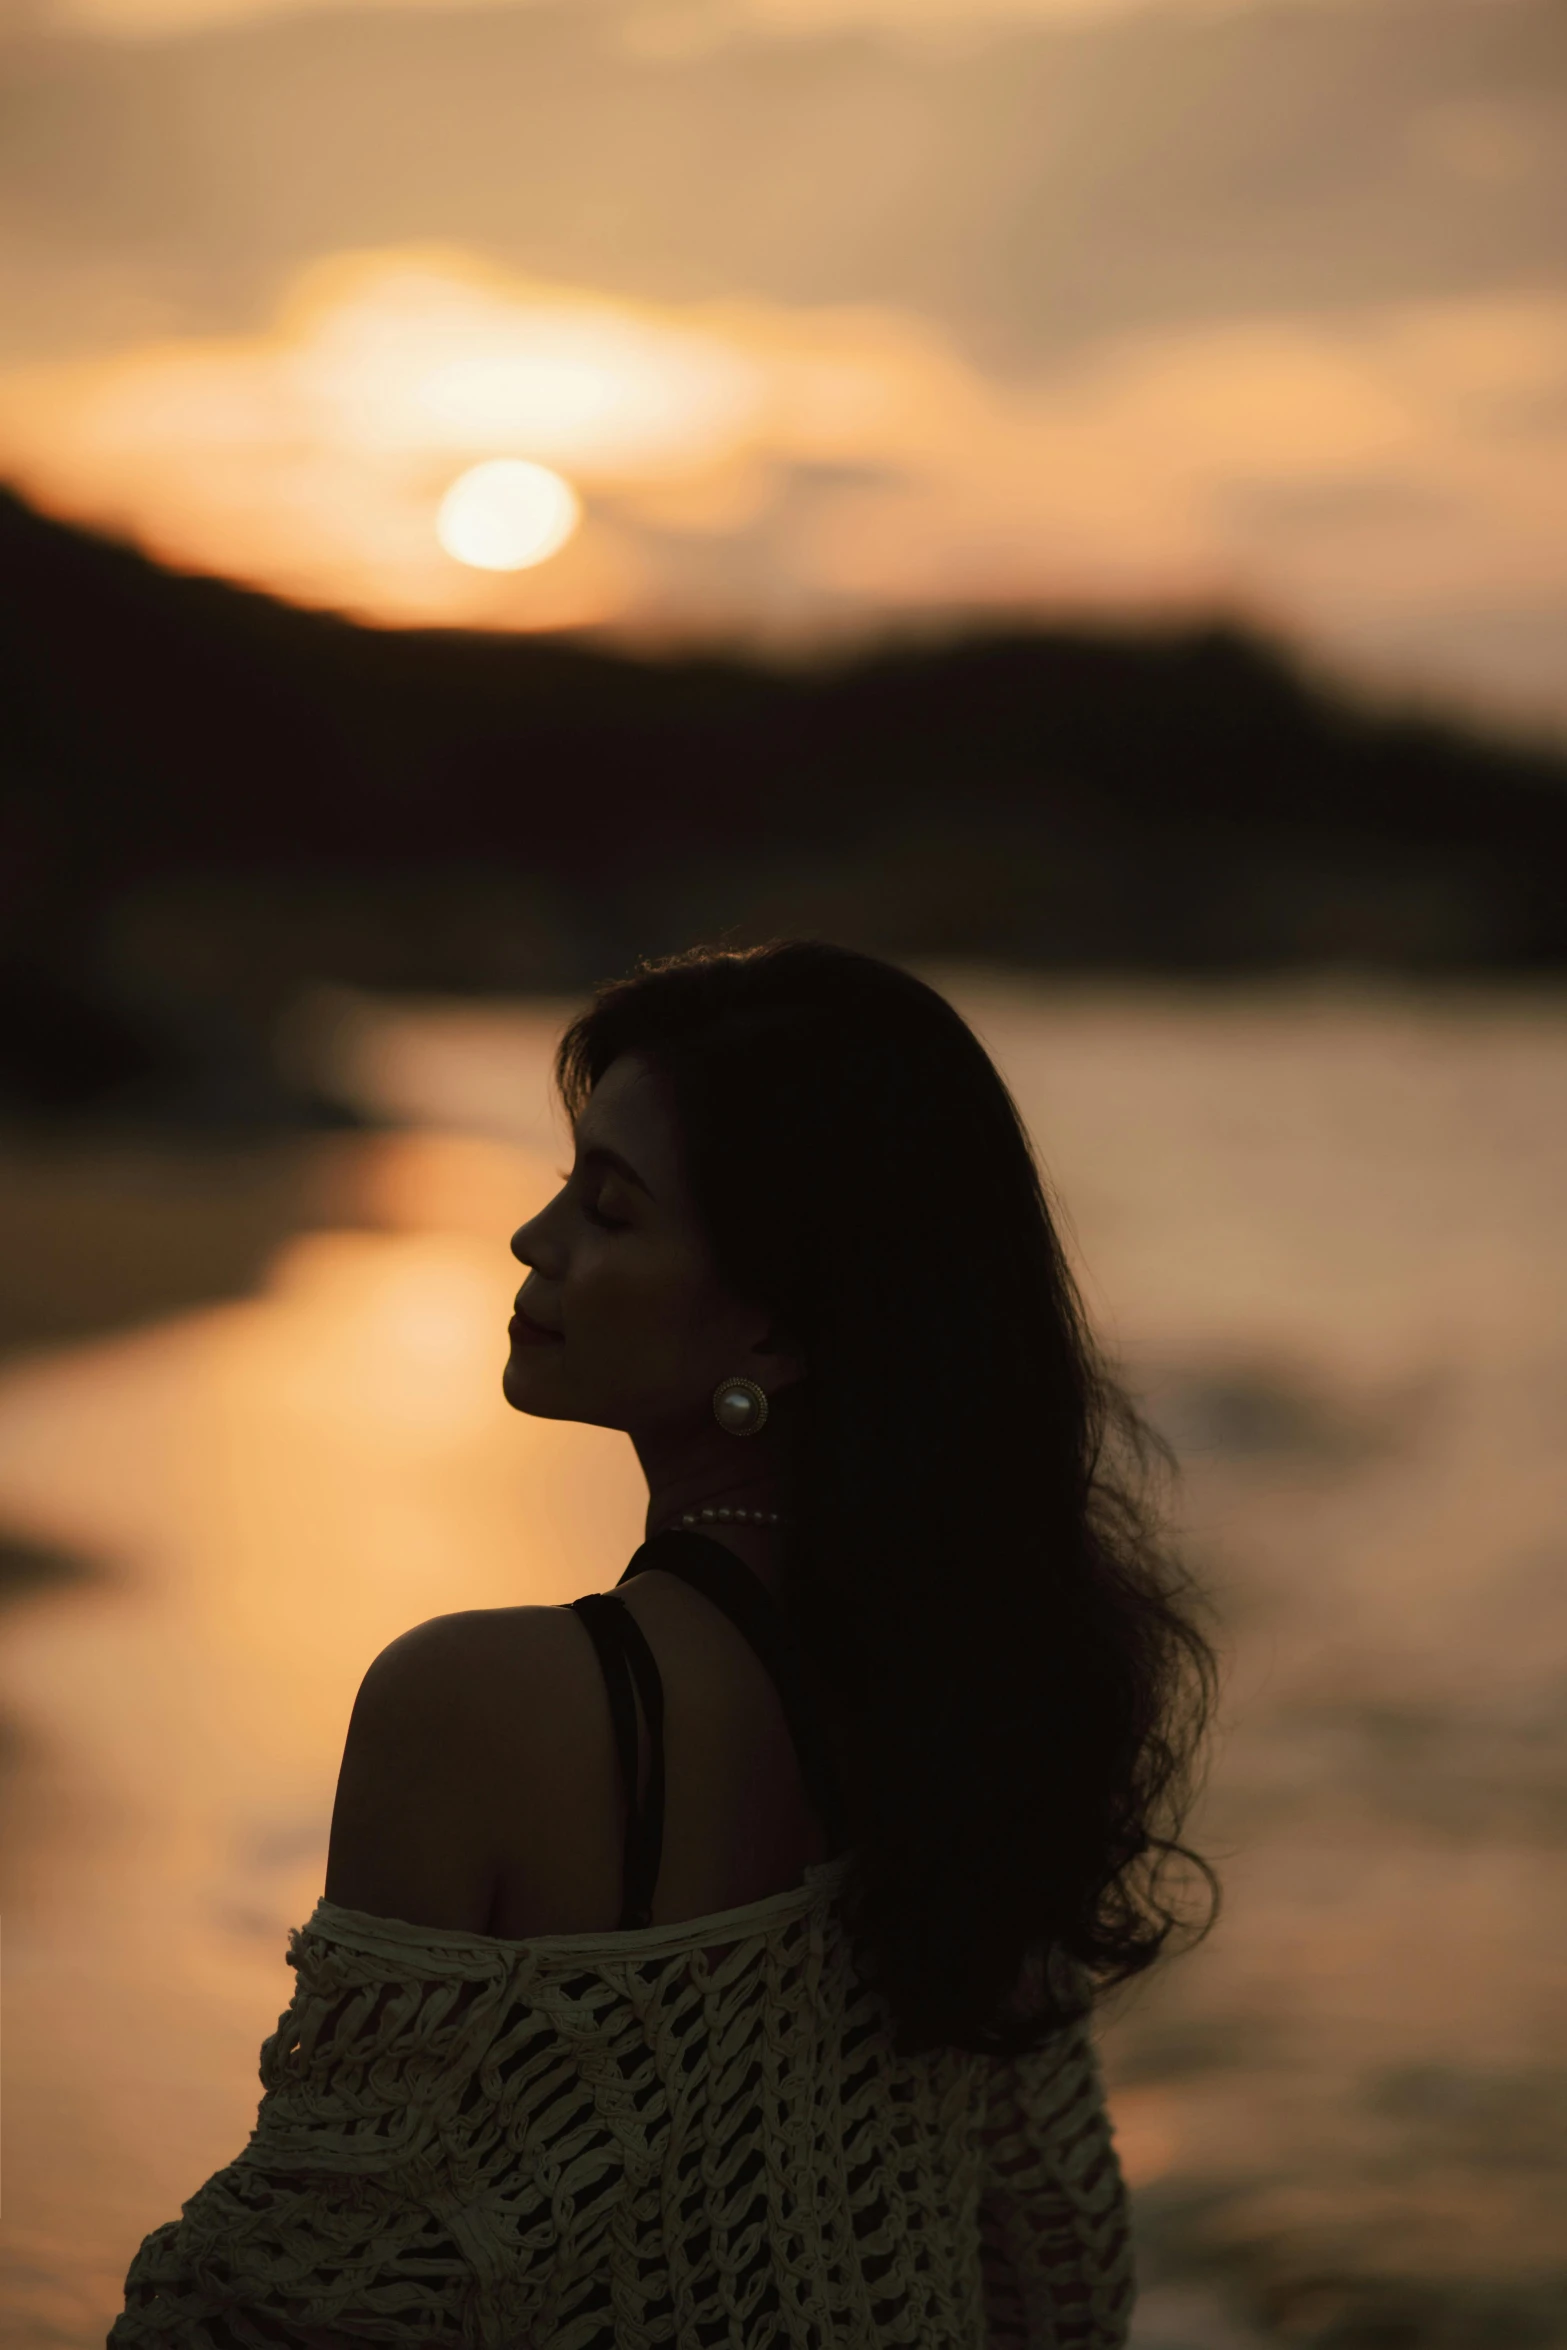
column 628, row 1110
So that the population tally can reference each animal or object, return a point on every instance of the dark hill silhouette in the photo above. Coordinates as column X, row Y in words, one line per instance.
column 209, row 797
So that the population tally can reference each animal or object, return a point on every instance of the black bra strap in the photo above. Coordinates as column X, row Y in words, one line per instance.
column 624, row 1656
column 714, row 1570
column 645, row 1849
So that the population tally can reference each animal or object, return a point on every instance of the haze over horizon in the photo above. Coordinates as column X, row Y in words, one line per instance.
column 836, row 314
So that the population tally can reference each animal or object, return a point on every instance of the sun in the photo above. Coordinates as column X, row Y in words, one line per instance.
column 507, row 514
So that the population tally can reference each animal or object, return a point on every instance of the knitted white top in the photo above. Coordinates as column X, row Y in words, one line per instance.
column 695, row 2134
column 698, row 2134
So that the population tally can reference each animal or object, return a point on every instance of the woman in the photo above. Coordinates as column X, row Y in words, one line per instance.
column 710, row 1961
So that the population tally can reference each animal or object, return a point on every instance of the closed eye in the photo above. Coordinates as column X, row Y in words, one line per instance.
column 594, row 1214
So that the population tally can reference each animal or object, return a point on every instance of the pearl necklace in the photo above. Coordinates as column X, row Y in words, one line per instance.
column 724, row 1516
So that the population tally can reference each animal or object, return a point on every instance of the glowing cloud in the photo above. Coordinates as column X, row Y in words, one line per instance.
column 424, row 353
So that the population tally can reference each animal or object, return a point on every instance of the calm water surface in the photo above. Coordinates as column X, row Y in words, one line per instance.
column 1323, row 1231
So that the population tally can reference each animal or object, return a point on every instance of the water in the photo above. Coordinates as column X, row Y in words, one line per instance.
column 1323, row 1230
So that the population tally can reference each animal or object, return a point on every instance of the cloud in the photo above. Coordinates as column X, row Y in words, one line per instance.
column 1052, row 184
column 798, row 473
column 667, row 27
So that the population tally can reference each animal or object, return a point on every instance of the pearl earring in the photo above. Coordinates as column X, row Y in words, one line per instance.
column 739, row 1405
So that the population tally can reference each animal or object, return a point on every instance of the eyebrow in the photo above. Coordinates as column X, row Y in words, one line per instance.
column 611, row 1158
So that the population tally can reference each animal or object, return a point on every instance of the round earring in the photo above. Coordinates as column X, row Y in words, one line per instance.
column 739, row 1405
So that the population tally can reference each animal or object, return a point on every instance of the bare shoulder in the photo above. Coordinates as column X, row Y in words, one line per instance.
column 462, row 1650
column 494, row 1685
column 447, row 1715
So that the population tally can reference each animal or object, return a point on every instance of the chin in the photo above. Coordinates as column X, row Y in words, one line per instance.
column 515, row 1388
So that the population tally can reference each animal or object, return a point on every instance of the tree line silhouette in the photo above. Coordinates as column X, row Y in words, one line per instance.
column 209, row 798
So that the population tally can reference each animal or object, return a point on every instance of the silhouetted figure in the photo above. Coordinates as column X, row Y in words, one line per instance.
column 711, row 1961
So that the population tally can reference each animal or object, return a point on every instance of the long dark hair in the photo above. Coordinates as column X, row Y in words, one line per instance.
column 974, row 1566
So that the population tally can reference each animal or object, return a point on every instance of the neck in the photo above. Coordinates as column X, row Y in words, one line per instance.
column 711, row 1471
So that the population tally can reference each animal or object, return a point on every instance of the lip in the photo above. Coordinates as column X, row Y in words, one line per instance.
column 523, row 1326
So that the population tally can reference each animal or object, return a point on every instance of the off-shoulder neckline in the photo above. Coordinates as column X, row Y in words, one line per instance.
column 361, row 1926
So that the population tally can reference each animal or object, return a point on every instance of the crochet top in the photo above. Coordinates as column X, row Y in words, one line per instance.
column 697, row 2134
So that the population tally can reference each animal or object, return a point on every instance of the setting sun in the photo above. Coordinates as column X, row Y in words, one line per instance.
column 507, row 515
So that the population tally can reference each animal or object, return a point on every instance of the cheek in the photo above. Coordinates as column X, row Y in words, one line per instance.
column 659, row 1307
column 636, row 1296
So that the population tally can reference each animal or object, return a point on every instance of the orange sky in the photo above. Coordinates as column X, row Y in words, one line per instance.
column 833, row 312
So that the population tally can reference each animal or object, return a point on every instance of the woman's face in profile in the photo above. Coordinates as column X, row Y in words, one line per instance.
column 621, row 1271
